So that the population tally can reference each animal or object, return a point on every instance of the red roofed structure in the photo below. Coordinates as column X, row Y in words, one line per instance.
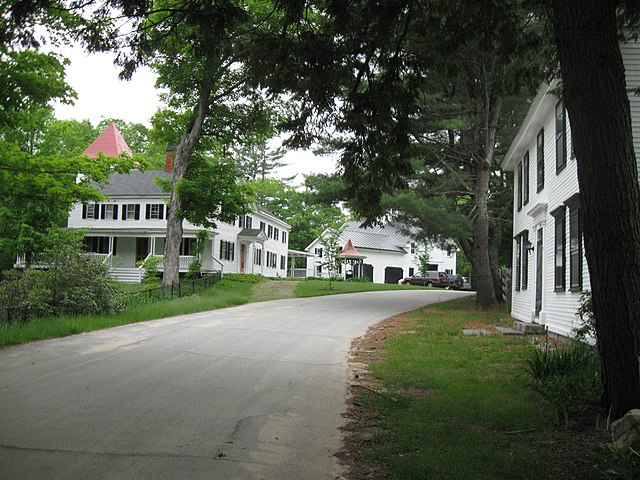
column 109, row 142
column 349, row 252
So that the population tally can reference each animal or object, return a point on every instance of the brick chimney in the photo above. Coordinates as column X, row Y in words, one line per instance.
column 171, row 156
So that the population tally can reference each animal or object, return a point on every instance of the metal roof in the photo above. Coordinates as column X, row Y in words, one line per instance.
column 110, row 143
column 386, row 237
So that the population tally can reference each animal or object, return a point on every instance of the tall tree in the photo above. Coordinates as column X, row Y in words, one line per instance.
column 387, row 60
column 300, row 208
column 595, row 95
column 193, row 47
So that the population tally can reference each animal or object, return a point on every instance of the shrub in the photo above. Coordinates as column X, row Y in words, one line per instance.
column 568, row 378
column 151, row 267
column 72, row 284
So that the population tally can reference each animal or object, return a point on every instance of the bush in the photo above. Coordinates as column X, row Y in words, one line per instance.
column 244, row 277
column 568, row 378
column 72, row 284
column 151, row 267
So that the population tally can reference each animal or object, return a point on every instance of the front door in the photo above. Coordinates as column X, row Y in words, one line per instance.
column 243, row 252
column 142, row 248
column 539, row 260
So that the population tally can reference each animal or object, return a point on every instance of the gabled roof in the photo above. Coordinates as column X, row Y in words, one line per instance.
column 135, row 184
column 386, row 237
column 109, row 142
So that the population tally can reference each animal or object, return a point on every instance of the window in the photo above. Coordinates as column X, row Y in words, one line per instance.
column 131, row 212
column 276, row 233
column 109, row 211
column 319, row 270
column 559, row 248
column 561, row 138
column 245, row 221
column 575, row 244
column 519, row 186
column 226, row 250
column 411, row 271
column 155, row 211
column 522, row 260
column 257, row 257
column 283, row 261
column 186, row 246
column 263, row 227
column 90, row 210
column 448, row 271
column 272, row 260
column 524, row 243
column 97, row 244
column 284, row 237
column 270, row 231
column 318, row 252
column 412, row 247
column 540, row 159
column 525, row 178
column 518, row 262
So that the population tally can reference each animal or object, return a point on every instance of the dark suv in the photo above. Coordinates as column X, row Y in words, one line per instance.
column 433, row 279
column 456, row 282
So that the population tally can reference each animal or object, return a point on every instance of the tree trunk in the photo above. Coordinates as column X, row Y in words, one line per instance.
column 181, row 164
column 595, row 97
column 480, row 260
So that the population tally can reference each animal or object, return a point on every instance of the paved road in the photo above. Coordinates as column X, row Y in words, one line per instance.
column 250, row 392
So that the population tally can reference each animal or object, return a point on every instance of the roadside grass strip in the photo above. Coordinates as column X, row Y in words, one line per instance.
column 474, row 416
column 225, row 293
column 231, row 290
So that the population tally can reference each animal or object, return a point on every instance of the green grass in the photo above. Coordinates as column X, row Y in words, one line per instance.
column 225, row 293
column 233, row 289
column 473, row 400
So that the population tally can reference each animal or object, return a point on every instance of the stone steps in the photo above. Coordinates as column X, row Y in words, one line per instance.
column 522, row 328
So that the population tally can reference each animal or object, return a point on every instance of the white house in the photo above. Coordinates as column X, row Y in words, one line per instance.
column 389, row 253
column 130, row 224
column 549, row 267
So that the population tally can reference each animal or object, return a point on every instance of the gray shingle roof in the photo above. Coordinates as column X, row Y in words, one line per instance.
column 387, row 237
column 135, row 183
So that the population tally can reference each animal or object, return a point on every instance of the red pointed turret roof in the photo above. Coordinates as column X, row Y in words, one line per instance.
column 109, row 142
column 349, row 251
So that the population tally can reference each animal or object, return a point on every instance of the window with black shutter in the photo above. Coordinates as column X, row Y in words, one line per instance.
column 559, row 216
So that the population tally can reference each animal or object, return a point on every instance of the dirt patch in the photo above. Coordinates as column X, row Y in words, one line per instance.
column 568, row 453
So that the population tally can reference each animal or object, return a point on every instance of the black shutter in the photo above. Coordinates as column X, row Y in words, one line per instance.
column 84, row 211
column 102, row 210
column 148, row 212
column 96, row 211
column 233, row 246
column 161, row 213
column 137, row 211
column 115, row 212
column 221, row 250
column 115, row 245
column 124, row 211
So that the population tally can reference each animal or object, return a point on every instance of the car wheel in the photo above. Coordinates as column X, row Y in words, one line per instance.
column 429, row 284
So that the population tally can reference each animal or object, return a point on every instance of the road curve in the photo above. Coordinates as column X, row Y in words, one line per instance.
column 250, row 392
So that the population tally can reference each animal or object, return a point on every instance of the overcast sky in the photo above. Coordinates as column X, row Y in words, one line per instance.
column 102, row 95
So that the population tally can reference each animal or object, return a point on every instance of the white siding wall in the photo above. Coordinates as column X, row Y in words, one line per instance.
column 128, row 230
column 558, row 308
column 381, row 259
column 631, row 56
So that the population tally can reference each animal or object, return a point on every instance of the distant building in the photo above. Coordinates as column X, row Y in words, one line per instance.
column 388, row 254
column 130, row 224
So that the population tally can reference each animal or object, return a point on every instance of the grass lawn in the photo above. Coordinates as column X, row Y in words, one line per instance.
column 231, row 290
column 453, row 407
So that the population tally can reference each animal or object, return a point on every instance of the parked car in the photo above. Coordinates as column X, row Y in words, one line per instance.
column 467, row 283
column 456, row 282
column 432, row 279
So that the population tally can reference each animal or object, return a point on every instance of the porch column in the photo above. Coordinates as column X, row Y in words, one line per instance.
column 152, row 248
